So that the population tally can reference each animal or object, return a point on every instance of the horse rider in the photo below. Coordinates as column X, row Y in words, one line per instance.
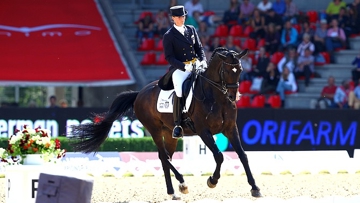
column 182, row 48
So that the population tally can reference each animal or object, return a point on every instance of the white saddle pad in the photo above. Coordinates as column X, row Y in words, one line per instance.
column 165, row 101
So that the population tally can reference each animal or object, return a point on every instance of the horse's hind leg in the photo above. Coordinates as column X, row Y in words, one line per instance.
column 235, row 142
column 209, row 141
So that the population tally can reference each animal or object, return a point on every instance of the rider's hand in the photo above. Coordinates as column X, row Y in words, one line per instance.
column 188, row 67
column 204, row 64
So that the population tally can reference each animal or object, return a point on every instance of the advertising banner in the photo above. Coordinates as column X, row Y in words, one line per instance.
column 58, row 42
column 259, row 129
column 299, row 129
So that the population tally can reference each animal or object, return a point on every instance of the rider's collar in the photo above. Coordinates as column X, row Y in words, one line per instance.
column 181, row 29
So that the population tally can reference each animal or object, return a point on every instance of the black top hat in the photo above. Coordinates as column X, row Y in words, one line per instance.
column 178, row 11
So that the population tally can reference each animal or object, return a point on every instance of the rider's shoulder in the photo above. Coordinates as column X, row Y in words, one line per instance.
column 190, row 27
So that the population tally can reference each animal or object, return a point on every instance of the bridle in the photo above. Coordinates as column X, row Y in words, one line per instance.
column 223, row 87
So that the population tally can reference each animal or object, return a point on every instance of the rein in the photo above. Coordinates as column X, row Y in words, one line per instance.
column 223, row 87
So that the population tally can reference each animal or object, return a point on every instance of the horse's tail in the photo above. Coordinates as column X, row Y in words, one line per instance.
column 90, row 136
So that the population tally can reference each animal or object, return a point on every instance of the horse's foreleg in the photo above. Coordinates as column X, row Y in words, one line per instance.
column 235, row 142
column 209, row 141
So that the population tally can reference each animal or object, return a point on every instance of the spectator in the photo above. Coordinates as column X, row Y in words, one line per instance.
column 145, row 28
column 258, row 25
column 172, row 3
column 305, row 44
column 341, row 97
column 356, row 71
column 335, row 38
column 354, row 13
column 246, row 64
column 193, row 5
column 326, row 99
column 306, row 29
column 210, row 18
column 215, row 44
column 193, row 20
column 246, row 11
column 345, row 24
column 270, row 81
column 286, row 83
column 289, row 61
column 230, row 45
column 291, row 11
column 162, row 23
column 272, row 39
column 262, row 63
column 205, row 42
column 203, row 31
column 232, row 15
column 32, row 104
column 52, row 101
column 264, row 6
column 354, row 97
column 305, row 66
column 279, row 7
column 288, row 36
column 320, row 36
column 333, row 8
column 63, row 103
column 274, row 18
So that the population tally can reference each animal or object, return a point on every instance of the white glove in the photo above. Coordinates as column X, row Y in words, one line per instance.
column 204, row 64
column 188, row 67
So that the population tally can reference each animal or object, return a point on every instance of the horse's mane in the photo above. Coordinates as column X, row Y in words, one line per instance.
column 221, row 49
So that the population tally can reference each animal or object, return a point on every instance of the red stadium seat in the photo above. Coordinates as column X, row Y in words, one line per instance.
column 245, row 87
column 249, row 44
column 142, row 16
column 147, row 45
column 161, row 60
column 274, row 101
column 221, row 31
column 258, row 101
column 326, row 55
column 237, row 42
column 247, row 31
column 261, row 43
column 287, row 92
column 297, row 27
column 276, row 57
column 149, row 58
column 352, row 85
column 236, row 31
column 253, row 58
column 244, row 102
column 222, row 42
column 313, row 16
column 159, row 46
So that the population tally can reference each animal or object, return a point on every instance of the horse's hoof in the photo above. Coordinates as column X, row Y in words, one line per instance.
column 183, row 188
column 175, row 197
column 256, row 193
column 210, row 184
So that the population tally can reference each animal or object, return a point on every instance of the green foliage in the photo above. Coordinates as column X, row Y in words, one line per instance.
column 145, row 144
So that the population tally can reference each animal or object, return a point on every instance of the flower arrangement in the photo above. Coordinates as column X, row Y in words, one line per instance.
column 31, row 141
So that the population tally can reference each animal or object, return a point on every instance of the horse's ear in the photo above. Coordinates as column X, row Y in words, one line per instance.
column 222, row 56
column 243, row 53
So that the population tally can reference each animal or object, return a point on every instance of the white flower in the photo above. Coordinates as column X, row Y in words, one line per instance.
column 2, row 151
column 14, row 139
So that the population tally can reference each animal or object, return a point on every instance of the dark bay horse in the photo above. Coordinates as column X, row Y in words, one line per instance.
column 213, row 110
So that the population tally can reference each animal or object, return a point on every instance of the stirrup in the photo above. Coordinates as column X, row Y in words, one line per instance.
column 181, row 134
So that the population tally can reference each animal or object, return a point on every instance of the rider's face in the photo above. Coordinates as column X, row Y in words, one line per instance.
column 179, row 20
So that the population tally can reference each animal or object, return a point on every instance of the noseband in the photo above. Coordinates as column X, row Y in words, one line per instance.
column 223, row 87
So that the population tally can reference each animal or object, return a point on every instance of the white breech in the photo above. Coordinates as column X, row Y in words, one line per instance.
column 178, row 78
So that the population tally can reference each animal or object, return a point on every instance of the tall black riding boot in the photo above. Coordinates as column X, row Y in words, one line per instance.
column 177, row 132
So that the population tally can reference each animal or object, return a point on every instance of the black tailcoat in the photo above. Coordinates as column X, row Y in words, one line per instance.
column 178, row 49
